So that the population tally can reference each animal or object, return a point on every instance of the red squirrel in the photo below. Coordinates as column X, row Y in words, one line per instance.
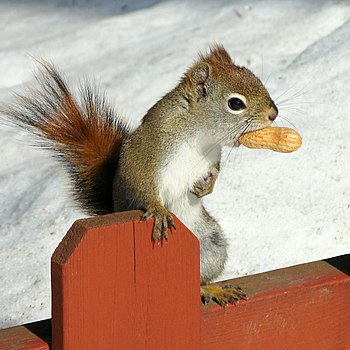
column 164, row 166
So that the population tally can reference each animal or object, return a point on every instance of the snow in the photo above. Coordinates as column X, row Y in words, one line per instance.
column 276, row 209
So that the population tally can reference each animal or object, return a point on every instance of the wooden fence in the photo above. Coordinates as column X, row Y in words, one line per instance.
column 112, row 288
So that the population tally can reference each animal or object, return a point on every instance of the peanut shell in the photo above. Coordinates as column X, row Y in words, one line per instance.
column 277, row 139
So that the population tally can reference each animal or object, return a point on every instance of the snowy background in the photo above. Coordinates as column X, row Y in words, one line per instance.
column 276, row 209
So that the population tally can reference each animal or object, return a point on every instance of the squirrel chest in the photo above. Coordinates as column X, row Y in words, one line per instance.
column 188, row 163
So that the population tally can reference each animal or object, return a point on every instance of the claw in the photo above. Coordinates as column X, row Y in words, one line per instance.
column 205, row 299
column 237, row 290
column 165, row 228
column 162, row 221
column 171, row 223
column 146, row 216
column 222, row 295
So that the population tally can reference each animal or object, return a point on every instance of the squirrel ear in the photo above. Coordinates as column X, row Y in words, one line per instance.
column 199, row 76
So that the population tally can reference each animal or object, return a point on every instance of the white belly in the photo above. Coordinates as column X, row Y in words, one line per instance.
column 189, row 164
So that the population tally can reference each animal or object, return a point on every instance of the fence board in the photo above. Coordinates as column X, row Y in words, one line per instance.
column 304, row 307
column 113, row 289
column 17, row 338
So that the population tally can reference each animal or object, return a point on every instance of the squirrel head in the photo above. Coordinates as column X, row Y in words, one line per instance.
column 228, row 95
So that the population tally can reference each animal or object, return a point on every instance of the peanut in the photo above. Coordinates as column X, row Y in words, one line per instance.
column 275, row 138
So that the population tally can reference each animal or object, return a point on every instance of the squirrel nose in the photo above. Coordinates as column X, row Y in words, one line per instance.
column 273, row 112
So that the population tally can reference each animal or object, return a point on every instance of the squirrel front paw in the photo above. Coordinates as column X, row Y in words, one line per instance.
column 204, row 186
column 222, row 295
column 163, row 221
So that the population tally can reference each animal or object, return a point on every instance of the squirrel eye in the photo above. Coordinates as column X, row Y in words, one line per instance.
column 236, row 104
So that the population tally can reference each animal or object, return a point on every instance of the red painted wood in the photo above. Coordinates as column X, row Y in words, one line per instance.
column 306, row 307
column 113, row 289
column 20, row 338
column 301, row 307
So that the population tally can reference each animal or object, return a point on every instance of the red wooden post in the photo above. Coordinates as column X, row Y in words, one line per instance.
column 112, row 288
column 304, row 307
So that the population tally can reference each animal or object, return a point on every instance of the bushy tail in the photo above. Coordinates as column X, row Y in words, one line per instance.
column 84, row 135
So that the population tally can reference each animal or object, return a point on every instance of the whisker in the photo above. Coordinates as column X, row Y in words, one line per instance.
column 275, row 123
column 294, row 109
column 294, row 103
column 262, row 68
column 288, row 121
column 267, row 79
column 225, row 162
column 234, row 130
column 244, row 127
column 237, row 129
column 297, row 94
column 283, row 93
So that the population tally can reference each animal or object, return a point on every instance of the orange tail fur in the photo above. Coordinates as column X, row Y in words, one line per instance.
column 86, row 136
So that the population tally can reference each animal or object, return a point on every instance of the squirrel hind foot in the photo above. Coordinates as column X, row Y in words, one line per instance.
column 163, row 221
column 227, row 294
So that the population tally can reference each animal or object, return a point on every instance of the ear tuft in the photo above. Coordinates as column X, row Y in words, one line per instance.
column 200, row 77
column 217, row 56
